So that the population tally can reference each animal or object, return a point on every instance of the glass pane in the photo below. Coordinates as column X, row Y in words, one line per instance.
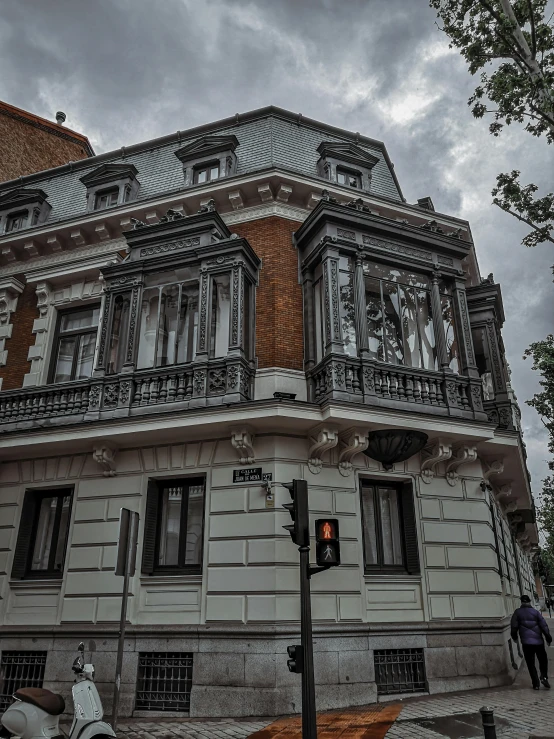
column 170, row 526
column 202, row 175
column 221, row 306
column 45, row 530
column 426, row 330
column 390, row 526
column 16, row 221
column 80, row 319
column 246, row 325
column 346, row 281
column 118, row 339
column 319, row 334
column 62, row 534
column 148, row 326
column 64, row 360
column 341, row 178
column 188, row 324
column 374, row 313
column 214, row 173
column 452, row 352
column 370, row 528
column 195, row 510
column 85, row 356
column 412, row 355
column 393, row 274
column 393, row 327
column 167, row 328
column 179, row 274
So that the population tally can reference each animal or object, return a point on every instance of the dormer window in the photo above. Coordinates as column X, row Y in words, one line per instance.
column 206, row 173
column 334, row 162
column 207, row 159
column 349, row 178
column 21, row 208
column 111, row 185
column 106, row 198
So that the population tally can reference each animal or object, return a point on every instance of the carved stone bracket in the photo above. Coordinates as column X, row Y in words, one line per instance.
column 494, row 468
column 352, row 442
column 105, row 456
column 10, row 289
column 438, row 450
column 323, row 439
column 243, row 441
column 463, row 454
column 503, row 495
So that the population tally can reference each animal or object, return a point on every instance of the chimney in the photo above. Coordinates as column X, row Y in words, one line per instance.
column 60, row 117
column 426, row 203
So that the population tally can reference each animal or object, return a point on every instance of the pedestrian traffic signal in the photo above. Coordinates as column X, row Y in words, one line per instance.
column 296, row 661
column 327, row 542
column 298, row 509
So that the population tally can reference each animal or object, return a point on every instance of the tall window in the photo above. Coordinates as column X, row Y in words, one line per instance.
column 206, row 173
column 17, row 221
column 349, row 178
column 221, row 315
column 42, row 538
column 106, row 198
column 389, row 528
column 75, row 344
column 169, row 318
column 120, row 332
column 174, row 523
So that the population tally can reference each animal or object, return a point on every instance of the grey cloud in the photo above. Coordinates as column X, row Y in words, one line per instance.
column 129, row 70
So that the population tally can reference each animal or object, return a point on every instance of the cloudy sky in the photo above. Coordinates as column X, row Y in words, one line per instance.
column 130, row 70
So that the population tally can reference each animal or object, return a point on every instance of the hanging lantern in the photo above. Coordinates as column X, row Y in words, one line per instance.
column 394, row 445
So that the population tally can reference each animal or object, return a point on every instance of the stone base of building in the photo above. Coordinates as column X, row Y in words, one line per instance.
column 242, row 670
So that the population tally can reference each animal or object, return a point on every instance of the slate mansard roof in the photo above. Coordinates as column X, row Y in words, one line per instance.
column 268, row 138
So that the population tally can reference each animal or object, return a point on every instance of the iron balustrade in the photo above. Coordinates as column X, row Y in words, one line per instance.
column 164, row 681
column 399, row 671
column 20, row 670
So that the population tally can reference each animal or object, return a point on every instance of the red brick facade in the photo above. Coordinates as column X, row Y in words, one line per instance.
column 30, row 144
column 279, row 319
column 22, row 338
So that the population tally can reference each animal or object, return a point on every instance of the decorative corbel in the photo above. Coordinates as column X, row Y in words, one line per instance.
column 463, row 454
column 503, row 494
column 438, row 450
column 105, row 456
column 327, row 438
column 511, row 507
column 494, row 468
column 353, row 442
column 43, row 292
column 243, row 441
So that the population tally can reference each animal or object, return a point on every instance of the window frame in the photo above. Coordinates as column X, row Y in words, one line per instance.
column 348, row 173
column 107, row 191
column 31, row 505
column 58, row 334
column 206, row 167
column 155, row 487
column 403, row 490
column 10, row 217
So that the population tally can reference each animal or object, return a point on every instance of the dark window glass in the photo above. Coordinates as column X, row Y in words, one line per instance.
column 75, row 345
column 348, row 178
column 452, row 351
column 180, row 514
column 206, row 173
column 221, row 315
column 17, row 221
column 120, row 329
column 347, row 313
column 482, row 361
column 50, row 526
column 106, row 198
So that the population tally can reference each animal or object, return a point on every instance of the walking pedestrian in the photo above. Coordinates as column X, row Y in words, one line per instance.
column 530, row 626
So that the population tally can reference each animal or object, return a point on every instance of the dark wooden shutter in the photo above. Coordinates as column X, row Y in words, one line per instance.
column 25, row 535
column 150, row 529
column 410, row 529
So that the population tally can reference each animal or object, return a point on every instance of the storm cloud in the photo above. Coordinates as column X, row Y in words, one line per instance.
column 129, row 70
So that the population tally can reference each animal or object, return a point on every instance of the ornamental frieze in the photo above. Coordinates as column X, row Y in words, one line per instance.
column 398, row 248
column 149, row 251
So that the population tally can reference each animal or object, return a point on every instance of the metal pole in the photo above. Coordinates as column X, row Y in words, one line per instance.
column 309, row 725
column 129, row 562
column 487, row 716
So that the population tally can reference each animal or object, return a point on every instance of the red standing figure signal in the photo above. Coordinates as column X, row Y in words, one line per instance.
column 327, row 542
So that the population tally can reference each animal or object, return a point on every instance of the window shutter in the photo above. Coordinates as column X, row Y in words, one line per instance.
column 150, row 529
column 410, row 530
column 24, row 537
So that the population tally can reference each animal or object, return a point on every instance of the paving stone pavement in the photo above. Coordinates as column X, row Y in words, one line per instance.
column 189, row 728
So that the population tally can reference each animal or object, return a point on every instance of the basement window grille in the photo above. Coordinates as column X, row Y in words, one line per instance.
column 20, row 670
column 399, row 671
column 164, row 681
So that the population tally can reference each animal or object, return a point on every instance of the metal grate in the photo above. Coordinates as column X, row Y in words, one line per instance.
column 399, row 671
column 164, row 681
column 20, row 670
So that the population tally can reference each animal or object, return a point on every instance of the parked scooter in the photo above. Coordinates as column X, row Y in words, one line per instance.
column 35, row 712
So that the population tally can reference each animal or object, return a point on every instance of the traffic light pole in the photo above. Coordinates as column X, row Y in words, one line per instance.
column 309, row 726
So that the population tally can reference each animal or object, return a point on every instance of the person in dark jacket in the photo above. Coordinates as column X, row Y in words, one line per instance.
column 531, row 627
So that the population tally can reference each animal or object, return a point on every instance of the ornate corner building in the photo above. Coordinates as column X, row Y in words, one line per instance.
column 186, row 318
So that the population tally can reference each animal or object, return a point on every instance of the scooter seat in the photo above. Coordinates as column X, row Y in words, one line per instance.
column 50, row 702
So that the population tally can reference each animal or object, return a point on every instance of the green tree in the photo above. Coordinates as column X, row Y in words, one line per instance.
column 510, row 43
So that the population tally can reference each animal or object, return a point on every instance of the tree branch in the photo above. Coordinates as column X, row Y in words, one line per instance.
column 512, row 43
column 521, row 218
column 533, row 33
